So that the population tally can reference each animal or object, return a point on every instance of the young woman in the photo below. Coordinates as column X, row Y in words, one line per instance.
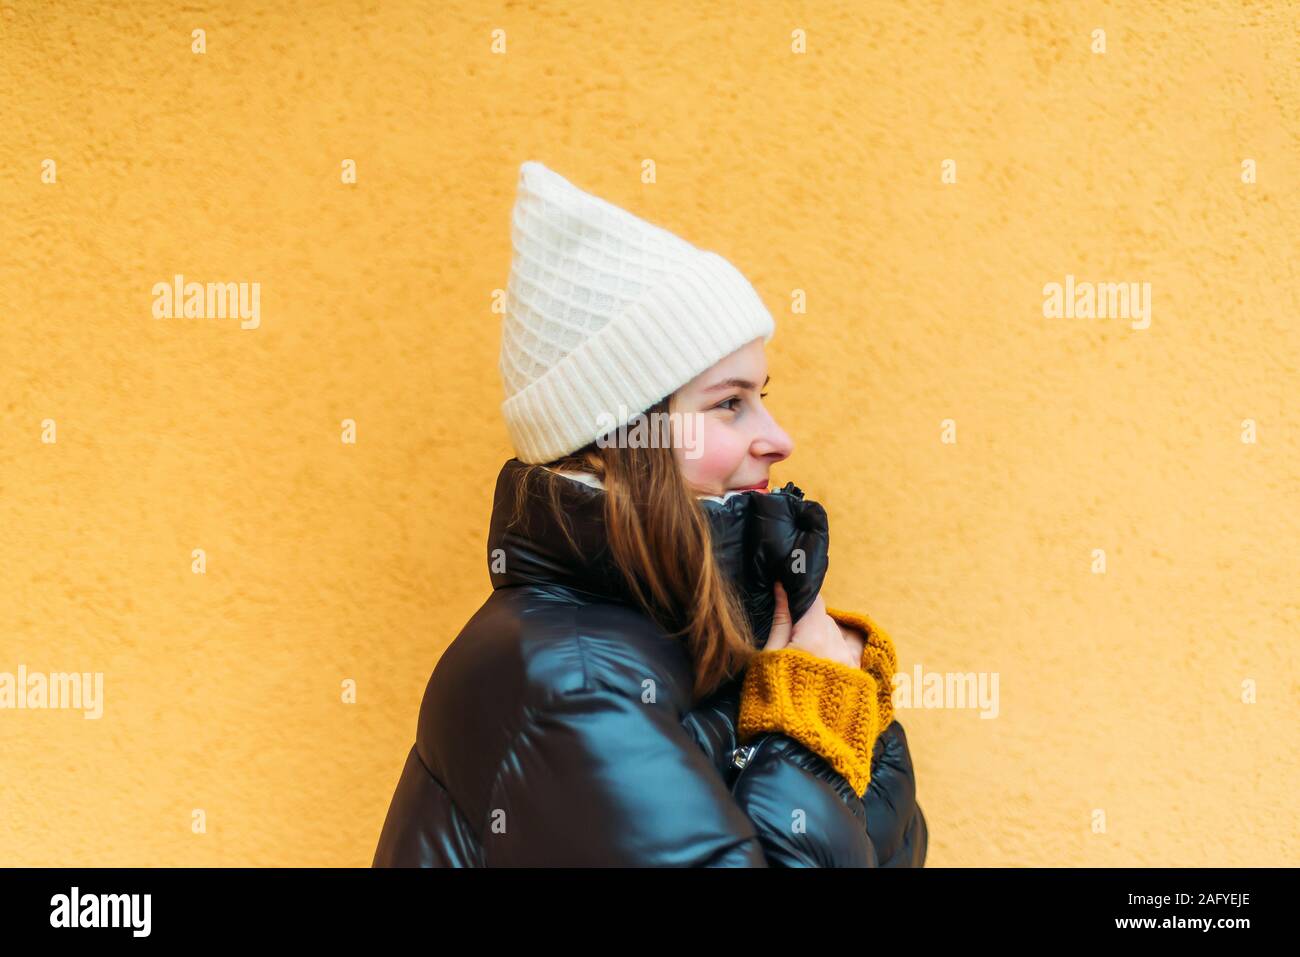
column 655, row 679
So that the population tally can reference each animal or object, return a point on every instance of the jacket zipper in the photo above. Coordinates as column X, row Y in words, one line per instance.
column 741, row 756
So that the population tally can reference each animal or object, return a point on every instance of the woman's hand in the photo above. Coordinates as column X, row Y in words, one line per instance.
column 856, row 641
column 816, row 632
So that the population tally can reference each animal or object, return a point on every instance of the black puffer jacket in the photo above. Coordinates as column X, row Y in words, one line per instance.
column 558, row 728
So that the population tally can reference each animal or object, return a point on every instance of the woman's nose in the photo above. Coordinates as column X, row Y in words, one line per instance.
column 774, row 442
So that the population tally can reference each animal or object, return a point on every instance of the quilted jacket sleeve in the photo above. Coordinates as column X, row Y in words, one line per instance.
column 601, row 778
column 895, row 820
column 815, row 728
column 807, row 729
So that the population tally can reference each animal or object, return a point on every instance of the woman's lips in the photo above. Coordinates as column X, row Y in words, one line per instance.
column 759, row 487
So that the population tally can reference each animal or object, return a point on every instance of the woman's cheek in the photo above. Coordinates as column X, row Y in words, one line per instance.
column 717, row 457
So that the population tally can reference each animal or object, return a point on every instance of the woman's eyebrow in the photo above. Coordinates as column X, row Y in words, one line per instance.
column 736, row 384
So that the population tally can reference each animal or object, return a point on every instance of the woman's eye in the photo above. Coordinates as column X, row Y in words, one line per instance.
column 736, row 398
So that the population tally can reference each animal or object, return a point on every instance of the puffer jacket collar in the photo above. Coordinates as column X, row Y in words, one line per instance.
column 753, row 535
column 536, row 552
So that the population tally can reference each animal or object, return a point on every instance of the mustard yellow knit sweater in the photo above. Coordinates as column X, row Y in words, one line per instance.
column 835, row 710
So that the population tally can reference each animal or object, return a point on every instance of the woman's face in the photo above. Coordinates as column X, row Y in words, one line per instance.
column 735, row 441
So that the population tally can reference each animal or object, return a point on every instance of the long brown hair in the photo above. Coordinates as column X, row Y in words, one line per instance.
column 661, row 541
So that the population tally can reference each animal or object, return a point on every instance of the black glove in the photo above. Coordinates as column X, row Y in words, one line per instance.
column 761, row 538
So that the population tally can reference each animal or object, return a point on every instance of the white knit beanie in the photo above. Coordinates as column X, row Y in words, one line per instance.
column 606, row 314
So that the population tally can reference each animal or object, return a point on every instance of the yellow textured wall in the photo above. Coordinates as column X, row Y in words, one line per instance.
column 1122, row 736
